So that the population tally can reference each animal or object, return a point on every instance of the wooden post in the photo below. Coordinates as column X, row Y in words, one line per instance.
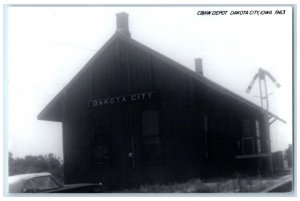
column 269, row 151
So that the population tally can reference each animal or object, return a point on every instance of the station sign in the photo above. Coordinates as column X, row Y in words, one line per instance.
column 131, row 98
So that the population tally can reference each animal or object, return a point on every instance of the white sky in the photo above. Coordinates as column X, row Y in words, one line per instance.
column 47, row 46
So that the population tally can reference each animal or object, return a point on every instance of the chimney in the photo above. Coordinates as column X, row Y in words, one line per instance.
column 198, row 66
column 122, row 23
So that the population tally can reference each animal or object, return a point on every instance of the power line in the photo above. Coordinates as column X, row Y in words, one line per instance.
column 62, row 43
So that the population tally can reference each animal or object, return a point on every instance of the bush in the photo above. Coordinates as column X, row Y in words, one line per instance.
column 35, row 164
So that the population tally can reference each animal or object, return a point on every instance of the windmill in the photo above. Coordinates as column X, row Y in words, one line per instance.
column 261, row 75
column 264, row 99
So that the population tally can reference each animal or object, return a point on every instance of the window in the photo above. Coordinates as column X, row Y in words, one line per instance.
column 42, row 183
column 246, row 132
column 247, row 138
column 28, row 187
column 258, row 136
column 151, row 139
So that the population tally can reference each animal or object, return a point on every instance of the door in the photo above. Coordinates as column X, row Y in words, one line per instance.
column 101, row 132
column 248, row 146
column 151, row 141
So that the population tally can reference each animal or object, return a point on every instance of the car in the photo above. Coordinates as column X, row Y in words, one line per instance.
column 45, row 182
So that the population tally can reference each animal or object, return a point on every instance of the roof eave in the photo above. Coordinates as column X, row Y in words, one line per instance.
column 202, row 79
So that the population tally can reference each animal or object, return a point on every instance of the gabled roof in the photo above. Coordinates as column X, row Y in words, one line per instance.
column 51, row 105
column 210, row 84
column 193, row 75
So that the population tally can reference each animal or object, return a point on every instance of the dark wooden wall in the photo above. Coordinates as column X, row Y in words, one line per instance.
column 183, row 104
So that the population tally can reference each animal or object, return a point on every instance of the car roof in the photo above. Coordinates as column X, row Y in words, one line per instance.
column 16, row 182
column 20, row 177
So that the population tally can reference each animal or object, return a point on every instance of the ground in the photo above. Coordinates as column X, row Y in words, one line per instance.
column 237, row 184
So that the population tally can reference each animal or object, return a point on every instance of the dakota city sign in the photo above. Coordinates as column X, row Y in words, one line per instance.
column 136, row 97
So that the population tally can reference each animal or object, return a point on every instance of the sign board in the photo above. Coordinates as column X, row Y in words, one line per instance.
column 136, row 97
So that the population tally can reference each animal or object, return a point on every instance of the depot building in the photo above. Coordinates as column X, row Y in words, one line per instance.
column 133, row 116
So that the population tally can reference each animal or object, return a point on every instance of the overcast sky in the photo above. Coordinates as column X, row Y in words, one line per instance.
column 47, row 46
